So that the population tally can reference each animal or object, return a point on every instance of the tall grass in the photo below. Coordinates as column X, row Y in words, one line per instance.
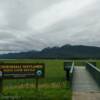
column 52, row 87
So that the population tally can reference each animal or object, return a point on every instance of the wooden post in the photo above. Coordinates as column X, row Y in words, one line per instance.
column 1, row 81
column 1, row 86
column 68, row 74
column 37, row 83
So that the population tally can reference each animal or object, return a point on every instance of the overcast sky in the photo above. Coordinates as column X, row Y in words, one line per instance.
column 36, row 24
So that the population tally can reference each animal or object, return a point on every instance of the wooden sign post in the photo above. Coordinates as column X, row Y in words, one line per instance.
column 67, row 67
column 1, row 82
column 21, row 71
column 39, row 72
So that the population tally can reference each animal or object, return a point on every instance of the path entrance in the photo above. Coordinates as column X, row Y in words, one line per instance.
column 84, row 86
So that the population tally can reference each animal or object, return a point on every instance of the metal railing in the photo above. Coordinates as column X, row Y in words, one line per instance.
column 69, row 68
column 71, row 72
column 94, row 71
column 72, row 68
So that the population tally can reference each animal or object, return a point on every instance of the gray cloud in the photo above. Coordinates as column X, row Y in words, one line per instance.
column 36, row 24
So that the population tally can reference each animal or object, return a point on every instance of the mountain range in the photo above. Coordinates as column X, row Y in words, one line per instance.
column 63, row 52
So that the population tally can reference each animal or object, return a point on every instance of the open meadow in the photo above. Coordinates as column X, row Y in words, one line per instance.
column 52, row 87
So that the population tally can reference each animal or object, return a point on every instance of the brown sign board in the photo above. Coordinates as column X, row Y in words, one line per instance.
column 22, row 70
column 67, row 65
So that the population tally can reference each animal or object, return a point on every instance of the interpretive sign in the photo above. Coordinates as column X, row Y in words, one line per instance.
column 15, row 70
column 21, row 71
column 67, row 65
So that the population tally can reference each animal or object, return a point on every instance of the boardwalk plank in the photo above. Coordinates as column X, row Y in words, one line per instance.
column 84, row 86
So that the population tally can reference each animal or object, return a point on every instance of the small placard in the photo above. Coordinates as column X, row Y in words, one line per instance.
column 67, row 65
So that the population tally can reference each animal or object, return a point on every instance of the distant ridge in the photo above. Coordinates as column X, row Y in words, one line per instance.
column 64, row 52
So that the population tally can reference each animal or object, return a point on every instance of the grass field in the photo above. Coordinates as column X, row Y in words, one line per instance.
column 52, row 87
column 98, row 64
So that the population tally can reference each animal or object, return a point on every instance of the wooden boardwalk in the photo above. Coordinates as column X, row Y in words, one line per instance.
column 84, row 86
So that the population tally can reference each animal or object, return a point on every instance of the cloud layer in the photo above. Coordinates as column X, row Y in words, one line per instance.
column 36, row 24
